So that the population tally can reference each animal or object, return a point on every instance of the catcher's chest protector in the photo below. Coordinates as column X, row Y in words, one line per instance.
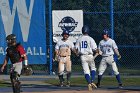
column 13, row 54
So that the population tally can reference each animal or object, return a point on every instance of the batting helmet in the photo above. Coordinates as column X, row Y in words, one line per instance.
column 106, row 32
column 65, row 32
column 85, row 29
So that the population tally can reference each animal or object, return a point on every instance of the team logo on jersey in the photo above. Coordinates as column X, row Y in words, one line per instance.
column 67, row 23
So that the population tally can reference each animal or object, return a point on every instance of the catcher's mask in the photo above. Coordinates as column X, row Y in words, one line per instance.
column 27, row 70
column 10, row 39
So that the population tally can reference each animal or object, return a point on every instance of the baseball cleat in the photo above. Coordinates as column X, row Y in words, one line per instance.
column 61, row 84
column 68, row 84
column 120, row 86
column 93, row 85
column 89, row 87
column 98, row 85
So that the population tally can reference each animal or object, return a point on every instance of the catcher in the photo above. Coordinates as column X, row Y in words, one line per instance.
column 62, row 55
column 16, row 54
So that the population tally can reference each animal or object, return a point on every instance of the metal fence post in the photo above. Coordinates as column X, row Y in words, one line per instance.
column 112, row 18
column 50, row 35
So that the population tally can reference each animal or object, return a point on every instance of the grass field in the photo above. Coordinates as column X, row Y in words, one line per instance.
column 4, row 84
column 106, row 81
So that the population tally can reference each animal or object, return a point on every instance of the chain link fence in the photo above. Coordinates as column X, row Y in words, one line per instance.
column 97, row 17
column 126, row 29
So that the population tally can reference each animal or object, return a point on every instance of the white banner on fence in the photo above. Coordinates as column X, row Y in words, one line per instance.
column 70, row 20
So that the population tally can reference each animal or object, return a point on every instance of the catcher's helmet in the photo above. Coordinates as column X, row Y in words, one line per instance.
column 27, row 70
column 85, row 29
column 11, row 39
column 65, row 32
column 106, row 32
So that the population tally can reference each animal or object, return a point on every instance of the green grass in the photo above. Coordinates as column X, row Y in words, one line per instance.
column 4, row 84
column 130, row 71
column 106, row 81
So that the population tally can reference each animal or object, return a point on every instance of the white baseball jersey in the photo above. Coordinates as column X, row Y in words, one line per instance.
column 85, row 44
column 107, row 47
column 64, row 47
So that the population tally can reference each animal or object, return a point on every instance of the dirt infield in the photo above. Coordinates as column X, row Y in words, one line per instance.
column 84, row 91
column 96, row 91
column 34, row 85
column 54, row 89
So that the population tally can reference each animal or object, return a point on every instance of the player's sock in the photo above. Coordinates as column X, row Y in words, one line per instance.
column 87, row 77
column 61, row 78
column 118, row 79
column 93, row 75
column 99, row 78
column 68, row 76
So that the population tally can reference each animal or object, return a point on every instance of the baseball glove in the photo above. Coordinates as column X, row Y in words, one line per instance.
column 119, row 57
column 27, row 71
column 56, row 58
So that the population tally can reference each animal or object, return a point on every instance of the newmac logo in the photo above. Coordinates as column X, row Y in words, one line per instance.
column 67, row 23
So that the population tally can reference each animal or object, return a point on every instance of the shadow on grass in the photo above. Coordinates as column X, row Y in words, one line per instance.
column 5, row 84
column 55, row 87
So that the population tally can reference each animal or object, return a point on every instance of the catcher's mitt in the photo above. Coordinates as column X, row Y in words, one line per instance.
column 27, row 70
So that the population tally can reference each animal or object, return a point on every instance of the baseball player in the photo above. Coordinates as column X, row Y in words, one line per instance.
column 107, row 47
column 16, row 54
column 62, row 55
column 86, row 48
